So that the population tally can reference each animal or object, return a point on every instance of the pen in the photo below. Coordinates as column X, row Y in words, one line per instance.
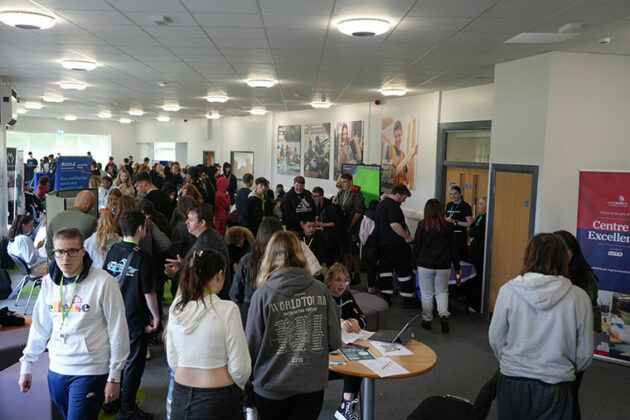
column 386, row 364
column 336, row 363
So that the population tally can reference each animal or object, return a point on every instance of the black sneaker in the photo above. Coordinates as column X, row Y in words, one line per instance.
column 135, row 414
column 348, row 410
column 112, row 407
column 426, row 325
column 444, row 323
column 411, row 303
column 356, row 279
column 387, row 298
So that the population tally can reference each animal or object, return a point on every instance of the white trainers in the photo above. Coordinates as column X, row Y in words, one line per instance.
column 348, row 410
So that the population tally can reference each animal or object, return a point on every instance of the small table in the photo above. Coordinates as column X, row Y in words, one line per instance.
column 422, row 360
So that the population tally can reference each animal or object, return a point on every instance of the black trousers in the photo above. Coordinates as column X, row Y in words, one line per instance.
column 190, row 403
column 351, row 384
column 297, row 407
column 132, row 375
column 461, row 240
column 529, row 399
column 396, row 258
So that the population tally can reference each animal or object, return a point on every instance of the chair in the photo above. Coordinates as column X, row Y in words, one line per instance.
column 37, row 281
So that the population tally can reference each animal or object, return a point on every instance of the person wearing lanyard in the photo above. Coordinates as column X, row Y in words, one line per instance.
column 311, row 237
column 297, row 205
column 459, row 213
column 352, row 203
column 258, row 205
column 80, row 316
column 328, row 222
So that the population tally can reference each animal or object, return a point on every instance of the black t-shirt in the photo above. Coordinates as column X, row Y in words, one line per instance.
column 458, row 212
column 138, row 281
column 161, row 202
column 389, row 211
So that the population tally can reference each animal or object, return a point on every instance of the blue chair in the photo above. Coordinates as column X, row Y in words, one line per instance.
column 24, row 270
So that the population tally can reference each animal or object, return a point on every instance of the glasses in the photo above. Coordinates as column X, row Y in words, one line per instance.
column 345, row 281
column 72, row 252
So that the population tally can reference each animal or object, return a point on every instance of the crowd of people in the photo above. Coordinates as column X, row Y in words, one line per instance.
column 261, row 293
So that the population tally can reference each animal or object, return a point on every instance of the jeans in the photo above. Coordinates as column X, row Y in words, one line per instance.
column 434, row 282
column 77, row 397
column 297, row 407
column 225, row 403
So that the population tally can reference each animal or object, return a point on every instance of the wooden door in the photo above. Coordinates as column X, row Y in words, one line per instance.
column 208, row 158
column 510, row 228
column 472, row 181
column 454, row 176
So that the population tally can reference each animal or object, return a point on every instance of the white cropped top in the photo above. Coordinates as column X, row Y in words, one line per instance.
column 208, row 337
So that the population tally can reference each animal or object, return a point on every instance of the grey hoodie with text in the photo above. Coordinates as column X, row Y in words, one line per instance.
column 542, row 328
column 292, row 325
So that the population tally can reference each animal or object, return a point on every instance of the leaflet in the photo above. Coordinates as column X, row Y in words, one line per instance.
column 384, row 366
column 348, row 338
column 391, row 349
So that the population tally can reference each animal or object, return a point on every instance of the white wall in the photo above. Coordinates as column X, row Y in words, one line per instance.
column 468, row 104
column 194, row 133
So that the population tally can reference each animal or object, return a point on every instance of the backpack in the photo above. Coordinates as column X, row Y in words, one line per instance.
column 5, row 260
column 341, row 216
column 5, row 284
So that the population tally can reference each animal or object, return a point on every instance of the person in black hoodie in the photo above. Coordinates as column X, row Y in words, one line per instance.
column 434, row 250
column 311, row 237
column 297, row 205
column 293, row 324
column 477, row 247
column 258, row 205
column 227, row 173
column 328, row 221
column 209, row 178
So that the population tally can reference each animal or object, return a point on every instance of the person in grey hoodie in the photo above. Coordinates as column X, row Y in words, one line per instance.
column 542, row 334
column 293, row 324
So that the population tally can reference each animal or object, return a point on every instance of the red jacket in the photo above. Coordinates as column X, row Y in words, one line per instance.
column 221, row 205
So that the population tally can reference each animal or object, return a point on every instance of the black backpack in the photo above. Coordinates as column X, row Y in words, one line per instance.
column 5, row 284
column 5, row 260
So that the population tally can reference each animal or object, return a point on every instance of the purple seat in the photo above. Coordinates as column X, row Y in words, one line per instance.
column 374, row 308
column 12, row 343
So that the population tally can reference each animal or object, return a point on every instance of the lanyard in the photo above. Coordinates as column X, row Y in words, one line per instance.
column 205, row 289
column 262, row 199
column 451, row 212
column 309, row 242
column 64, row 312
column 345, row 197
column 340, row 307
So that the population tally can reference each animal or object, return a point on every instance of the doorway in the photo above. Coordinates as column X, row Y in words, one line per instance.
column 472, row 181
column 511, row 214
column 208, row 158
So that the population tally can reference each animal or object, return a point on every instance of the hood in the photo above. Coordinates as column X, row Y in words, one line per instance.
column 541, row 291
column 55, row 271
column 225, row 166
column 188, row 319
column 289, row 281
column 222, row 184
column 253, row 194
column 211, row 171
column 356, row 188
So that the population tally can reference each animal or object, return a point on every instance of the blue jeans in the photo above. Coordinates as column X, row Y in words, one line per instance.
column 77, row 397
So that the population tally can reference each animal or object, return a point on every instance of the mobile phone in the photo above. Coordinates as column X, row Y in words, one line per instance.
column 358, row 346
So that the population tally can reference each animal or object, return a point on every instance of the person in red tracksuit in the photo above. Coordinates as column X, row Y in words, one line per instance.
column 221, row 205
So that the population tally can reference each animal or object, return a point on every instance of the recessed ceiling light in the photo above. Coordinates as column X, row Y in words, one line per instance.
column 171, row 107
column 321, row 104
column 84, row 65
column 261, row 83
column 53, row 99
column 27, row 20
column 105, row 114
column 257, row 111
column 163, row 118
column 73, row 85
column 540, row 38
column 21, row 110
column 70, row 117
column 33, row 105
column 124, row 120
column 218, row 99
column 136, row 112
column 393, row 92
column 213, row 116
column 363, row 27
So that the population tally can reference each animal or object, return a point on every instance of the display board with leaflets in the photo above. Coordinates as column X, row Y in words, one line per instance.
column 72, row 173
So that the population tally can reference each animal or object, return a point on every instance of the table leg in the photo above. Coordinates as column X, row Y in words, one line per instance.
column 368, row 399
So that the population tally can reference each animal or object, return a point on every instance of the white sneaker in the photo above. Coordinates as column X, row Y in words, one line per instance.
column 148, row 353
column 371, row 289
column 348, row 410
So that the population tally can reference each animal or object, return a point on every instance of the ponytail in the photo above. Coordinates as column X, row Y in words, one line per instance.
column 198, row 269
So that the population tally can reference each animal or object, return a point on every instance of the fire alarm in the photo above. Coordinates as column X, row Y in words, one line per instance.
column 377, row 102
column 185, row 120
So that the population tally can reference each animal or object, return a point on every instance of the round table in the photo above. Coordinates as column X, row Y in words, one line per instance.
column 422, row 360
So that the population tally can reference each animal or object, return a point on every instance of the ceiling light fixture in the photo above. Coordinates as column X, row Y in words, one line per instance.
column 213, row 116
column 70, row 117
column 73, row 85
column 82, row 65
column 163, row 118
column 261, row 83
column 21, row 110
column 134, row 112
column 393, row 91
column 125, row 120
column 217, row 99
column 33, row 105
column 27, row 20
column 171, row 107
column 53, row 99
column 258, row 111
column 105, row 114
column 363, row 26
column 322, row 105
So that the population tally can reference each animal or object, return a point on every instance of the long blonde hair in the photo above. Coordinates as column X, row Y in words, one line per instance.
column 119, row 181
column 106, row 226
column 283, row 250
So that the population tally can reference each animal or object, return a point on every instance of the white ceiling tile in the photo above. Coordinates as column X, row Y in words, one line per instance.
column 241, row 43
column 417, row 23
column 221, row 6
column 174, row 31
column 229, row 20
column 147, row 19
column 286, row 21
column 392, row 9
column 297, row 7
column 146, row 5
column 450, row 8
column 236, row 33
column 176, row 42
column 521, row 9
column 85, row 18
column 75, row 5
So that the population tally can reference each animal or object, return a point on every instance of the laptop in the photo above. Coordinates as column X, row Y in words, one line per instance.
column 402, row 336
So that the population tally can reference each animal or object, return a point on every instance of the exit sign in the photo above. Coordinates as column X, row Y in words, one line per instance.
column 60, row 132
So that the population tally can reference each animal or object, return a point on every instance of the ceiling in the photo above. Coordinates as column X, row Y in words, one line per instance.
column 213, row 46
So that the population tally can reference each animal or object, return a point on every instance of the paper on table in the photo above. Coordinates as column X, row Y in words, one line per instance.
column 348, row 338
column 384, row 366
column 391, row 349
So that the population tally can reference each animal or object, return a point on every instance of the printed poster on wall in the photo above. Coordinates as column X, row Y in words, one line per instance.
column 72, row 173
column 11, row 188
column 317, row 150
column 603, row 231
column 399, row 148
column 288, row 150
column 348, row 143
column 20, row 202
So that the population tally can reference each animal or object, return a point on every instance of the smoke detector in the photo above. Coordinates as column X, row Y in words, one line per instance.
column 161, row 20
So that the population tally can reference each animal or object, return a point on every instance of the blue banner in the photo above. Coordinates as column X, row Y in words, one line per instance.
column 72, row 173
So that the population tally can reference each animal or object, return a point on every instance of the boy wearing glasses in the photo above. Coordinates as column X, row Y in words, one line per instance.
column 80, row 316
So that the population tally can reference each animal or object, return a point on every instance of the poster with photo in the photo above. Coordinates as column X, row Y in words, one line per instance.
column 288, row 149
column 242, row 163
column 317, row 150
column 348, row 144
column 399, row 148
column 11, row 189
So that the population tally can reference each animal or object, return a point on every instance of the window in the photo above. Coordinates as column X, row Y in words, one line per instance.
column 44, row 144
column 468, row 146
column 164, row 151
